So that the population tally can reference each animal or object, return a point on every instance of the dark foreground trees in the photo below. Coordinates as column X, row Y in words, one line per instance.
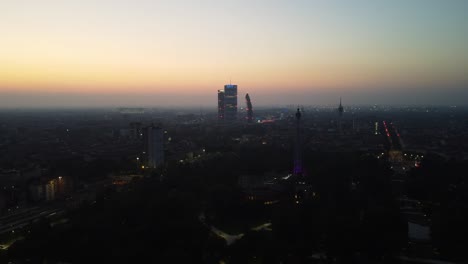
column 352, row 217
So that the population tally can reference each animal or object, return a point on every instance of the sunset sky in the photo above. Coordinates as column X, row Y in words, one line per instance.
column 142, row 52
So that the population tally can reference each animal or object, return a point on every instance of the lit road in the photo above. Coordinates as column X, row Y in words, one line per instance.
column 230, row 239
column 392, row 136
column 25, row 217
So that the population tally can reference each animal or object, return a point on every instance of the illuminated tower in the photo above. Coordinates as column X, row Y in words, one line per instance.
column 298, row 146
column 340, row 117
column 249, row 109
column 230, row 102
column 221, row 105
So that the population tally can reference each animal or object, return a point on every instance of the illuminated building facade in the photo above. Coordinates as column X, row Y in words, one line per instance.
column 51, row 189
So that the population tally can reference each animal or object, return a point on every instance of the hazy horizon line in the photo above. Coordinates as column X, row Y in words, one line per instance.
column 214, row 107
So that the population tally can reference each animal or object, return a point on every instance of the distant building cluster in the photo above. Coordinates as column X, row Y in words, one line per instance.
column 120, row 147
column 50, row 190
column 228, row 107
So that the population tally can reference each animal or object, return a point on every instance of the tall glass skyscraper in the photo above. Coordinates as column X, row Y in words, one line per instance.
column 230, row 102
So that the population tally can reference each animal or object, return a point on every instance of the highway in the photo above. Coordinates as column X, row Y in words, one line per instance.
column 22, row 218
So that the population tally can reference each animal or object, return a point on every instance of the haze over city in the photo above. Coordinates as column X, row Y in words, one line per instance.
column 178, row 53
column 234, row 131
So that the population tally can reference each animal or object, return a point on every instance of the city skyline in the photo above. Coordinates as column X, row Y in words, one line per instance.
column 88, row 54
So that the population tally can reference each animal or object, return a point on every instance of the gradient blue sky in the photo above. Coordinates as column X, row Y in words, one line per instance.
column 122, row 52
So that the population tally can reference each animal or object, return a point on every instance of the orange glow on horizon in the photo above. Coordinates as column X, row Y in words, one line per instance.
column 157, row 79
column 185, row 47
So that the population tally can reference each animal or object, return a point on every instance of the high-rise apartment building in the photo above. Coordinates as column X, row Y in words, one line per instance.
column 221, row 105
column 154, row 146
column 227, row 102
